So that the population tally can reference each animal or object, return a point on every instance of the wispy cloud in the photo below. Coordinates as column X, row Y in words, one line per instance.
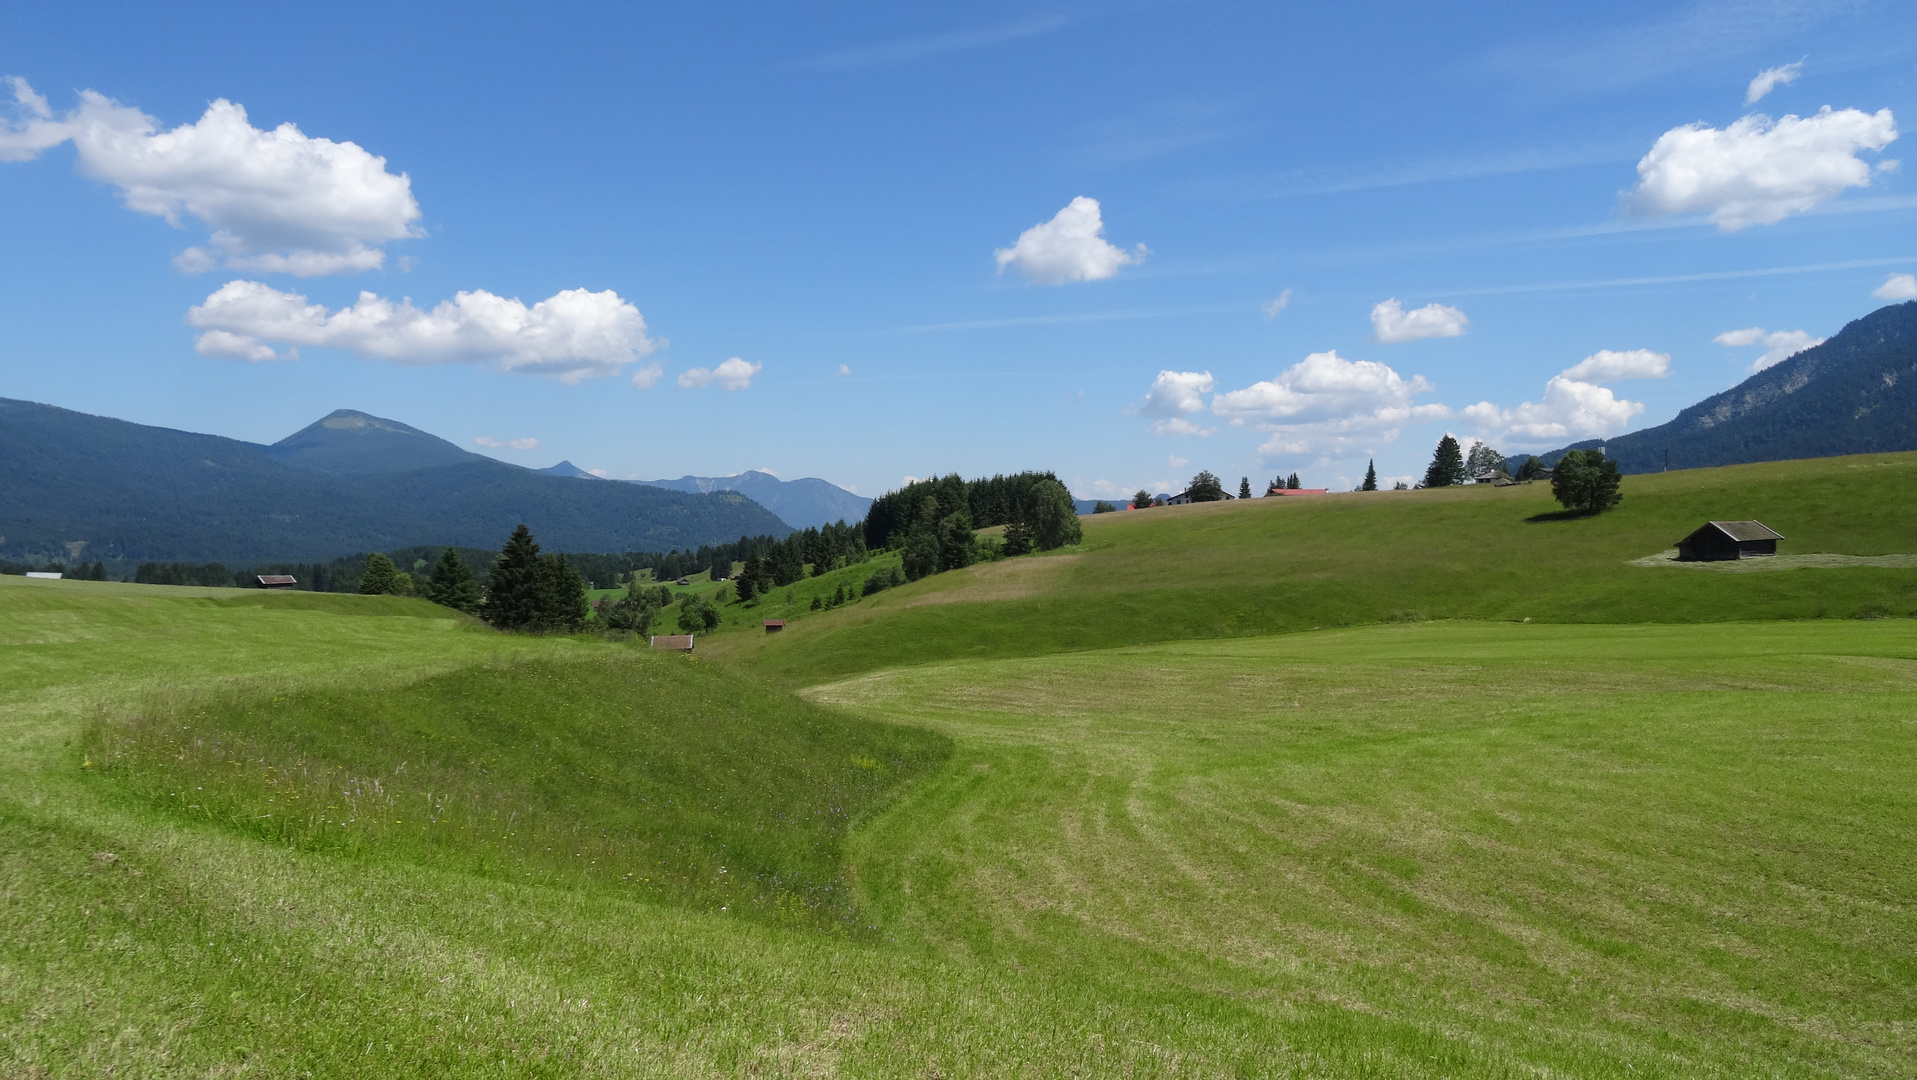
column 1674, row 279
column 903, row 49
column 1332, row 180
column 1154, row 131
column 1699, row 33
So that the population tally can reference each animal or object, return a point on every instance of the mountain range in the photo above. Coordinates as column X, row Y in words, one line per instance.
column 78, row 486
column 804, row 503
column 1855, row 393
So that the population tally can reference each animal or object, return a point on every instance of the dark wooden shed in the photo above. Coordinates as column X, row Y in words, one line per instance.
column 1719, row 540
column 277, row 581
column 773, row 626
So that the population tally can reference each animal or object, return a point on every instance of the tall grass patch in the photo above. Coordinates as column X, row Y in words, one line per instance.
column 654, row 774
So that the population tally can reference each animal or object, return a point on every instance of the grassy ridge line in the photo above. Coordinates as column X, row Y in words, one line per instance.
column 654, row 774
column 1278, row 565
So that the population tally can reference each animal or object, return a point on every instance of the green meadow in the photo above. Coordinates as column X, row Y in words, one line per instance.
column 1277, row 788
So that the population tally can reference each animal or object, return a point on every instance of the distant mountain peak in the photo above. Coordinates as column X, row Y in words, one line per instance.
column 348, row 442
column 567, row 468
column 802, row 503
column 354, row 420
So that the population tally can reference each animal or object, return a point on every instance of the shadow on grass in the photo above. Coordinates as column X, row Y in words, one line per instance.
column 1561, row 515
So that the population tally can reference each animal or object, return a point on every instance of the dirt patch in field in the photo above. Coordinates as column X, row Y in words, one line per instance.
column 1668, row 557
column 1012, row 579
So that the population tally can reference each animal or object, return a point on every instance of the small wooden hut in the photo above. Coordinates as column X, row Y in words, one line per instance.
column 1721, row 540
column 672, row 642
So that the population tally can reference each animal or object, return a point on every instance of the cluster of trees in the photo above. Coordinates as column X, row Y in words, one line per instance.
column 999, row 500
column 778, row 563
column 1585, row 481
column 1283, row 483
column 179, row 573
column 931, row 522
column 84, row 572
column 530, row 591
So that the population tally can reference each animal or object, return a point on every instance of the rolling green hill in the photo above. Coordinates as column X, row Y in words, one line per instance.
column 1276, row 565
column 1424, row 850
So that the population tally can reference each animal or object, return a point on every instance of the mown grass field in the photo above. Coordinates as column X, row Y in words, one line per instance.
column 1277, row 565
column 1664, row 829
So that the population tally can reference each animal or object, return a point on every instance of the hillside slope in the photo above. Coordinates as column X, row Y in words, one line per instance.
column 125, row 492
column 1242, row 568
column 1854, row 394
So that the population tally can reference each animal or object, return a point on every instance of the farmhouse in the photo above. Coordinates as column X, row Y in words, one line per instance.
column 1183, row 498
column 1719, row 540
column 276, row 581
column 672, row 642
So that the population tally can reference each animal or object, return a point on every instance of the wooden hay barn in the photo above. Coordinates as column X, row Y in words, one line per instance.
column 1721, row 540
column 672, row 642
column 277, row 581
column 773, row 626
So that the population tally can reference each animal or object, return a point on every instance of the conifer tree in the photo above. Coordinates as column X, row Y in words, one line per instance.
column 512, row 589
column 1141, row 499
column 958, row 545
column 1447, row 465
column 1292, row 483
column 1371, row 477
column 562, row 595
column 381, row 576
column 1244, row 487
column 452, row 583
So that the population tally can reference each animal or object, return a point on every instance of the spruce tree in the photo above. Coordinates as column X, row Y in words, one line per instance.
column 512, row 589
column 1292, row 483
column 1447, row 465
column 958, row 545
column 1371, row 477
column 562, row 595
column 381, row 576
column 1244, row 487
column 452, row 583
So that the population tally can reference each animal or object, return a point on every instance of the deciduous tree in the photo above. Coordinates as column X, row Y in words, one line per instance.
column 1586, row 481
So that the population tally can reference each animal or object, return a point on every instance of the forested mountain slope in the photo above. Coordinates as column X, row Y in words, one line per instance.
column 80, row 486
column 1854, row 394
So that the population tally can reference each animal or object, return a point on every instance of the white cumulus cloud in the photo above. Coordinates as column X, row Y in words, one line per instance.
column 1277, row 304
column 733, row 374
column 1174, row 397
column 1326, row 402
column 1606, row 365
column 1758, row 171
column 491, row 443
column 1779, row 345
column 1897, row 287
column 1771, row 78
column 644, row 377
column 1070, row 247
column 1574, row 406
column 1391, row 323
column 571, row 336
column 277, row 201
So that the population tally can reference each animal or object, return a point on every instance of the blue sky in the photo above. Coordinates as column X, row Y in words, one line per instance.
column 865, row 241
